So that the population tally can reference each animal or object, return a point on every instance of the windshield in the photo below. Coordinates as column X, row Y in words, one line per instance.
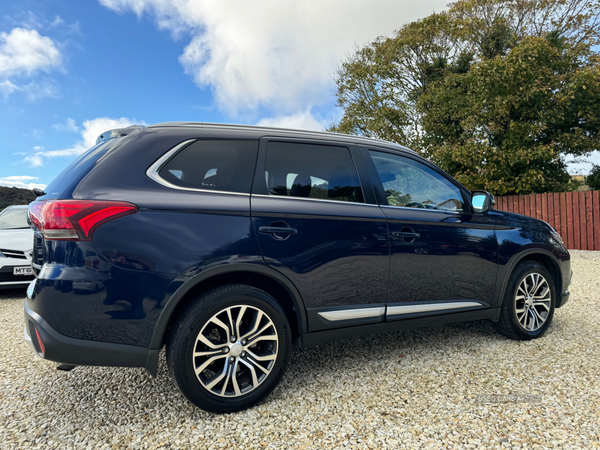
column 11, row 219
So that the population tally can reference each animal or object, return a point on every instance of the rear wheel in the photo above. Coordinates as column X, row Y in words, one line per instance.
column 529, row 302
column 229, row 348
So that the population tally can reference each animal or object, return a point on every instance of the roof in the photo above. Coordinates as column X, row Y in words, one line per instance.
column 285, row 131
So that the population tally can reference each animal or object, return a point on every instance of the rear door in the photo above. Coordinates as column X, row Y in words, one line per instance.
column 443, row 256
column 317, row 221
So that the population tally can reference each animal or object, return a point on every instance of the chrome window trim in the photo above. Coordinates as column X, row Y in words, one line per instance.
column 430, row 307
column 286, row 197
column 349, row 314
column 153, row 170
column 443, row 211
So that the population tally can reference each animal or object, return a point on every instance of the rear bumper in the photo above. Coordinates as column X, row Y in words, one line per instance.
column 79, row 352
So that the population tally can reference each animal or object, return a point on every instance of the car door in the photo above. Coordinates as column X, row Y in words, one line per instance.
column 443, row 256
column 318, row 223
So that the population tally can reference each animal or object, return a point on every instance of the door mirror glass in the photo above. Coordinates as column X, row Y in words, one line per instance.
column 482, row 201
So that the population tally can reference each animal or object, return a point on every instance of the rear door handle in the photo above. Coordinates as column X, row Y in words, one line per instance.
column 277, row 230
column 405, row 234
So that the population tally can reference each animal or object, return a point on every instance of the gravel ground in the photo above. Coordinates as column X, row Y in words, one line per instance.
column 427, row 388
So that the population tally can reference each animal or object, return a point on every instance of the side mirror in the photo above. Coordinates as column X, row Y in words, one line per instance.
column 482, row 201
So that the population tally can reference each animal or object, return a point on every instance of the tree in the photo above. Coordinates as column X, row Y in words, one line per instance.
column 505, row 125
column 593, row 179
column 15, row 196
column 379, row 85
column 497, row 92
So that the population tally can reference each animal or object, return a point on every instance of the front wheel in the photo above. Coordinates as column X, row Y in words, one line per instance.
column 229, row 348
column 529, row 302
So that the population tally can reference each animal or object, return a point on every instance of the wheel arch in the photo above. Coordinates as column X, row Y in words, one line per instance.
column 539, row 255
column 261, row 277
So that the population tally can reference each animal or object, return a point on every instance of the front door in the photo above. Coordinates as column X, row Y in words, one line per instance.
column 315, row 226
column 443, row 255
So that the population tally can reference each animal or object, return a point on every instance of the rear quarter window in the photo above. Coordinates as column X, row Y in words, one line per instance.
column 213, row 165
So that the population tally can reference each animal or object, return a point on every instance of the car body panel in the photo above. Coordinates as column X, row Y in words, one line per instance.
column 454, row 258
column 125, row 287
column 521, row 237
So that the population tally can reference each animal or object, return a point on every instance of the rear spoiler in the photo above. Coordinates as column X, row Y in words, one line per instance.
column 118, row 132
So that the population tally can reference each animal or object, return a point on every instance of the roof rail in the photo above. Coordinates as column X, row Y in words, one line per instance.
column 118, row 132
column 285, row 130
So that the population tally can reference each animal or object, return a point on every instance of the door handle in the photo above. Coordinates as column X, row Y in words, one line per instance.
column 277, row 230
column 405, row 234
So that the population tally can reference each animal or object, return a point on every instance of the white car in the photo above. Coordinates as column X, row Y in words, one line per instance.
column 16, row 243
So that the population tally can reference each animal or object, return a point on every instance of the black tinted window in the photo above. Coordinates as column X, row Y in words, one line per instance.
column 223, row 165
column 410, row 184
column 311, row 171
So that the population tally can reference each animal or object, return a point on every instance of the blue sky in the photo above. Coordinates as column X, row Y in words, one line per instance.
column 71, row 69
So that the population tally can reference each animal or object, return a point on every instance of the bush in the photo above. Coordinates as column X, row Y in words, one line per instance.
column 593, row 179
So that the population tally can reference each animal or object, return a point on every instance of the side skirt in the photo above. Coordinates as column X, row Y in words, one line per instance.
column 322, row 337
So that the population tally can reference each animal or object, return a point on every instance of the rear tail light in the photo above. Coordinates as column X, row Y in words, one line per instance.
column 75, row 220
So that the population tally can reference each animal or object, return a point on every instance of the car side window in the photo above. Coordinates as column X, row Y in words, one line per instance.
column 216, row 165
column 312, row 171
column 411, row 184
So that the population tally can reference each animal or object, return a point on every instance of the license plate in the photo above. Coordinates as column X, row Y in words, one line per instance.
column 26, row 270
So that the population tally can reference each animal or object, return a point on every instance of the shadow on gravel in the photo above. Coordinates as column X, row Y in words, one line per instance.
column 113, row 388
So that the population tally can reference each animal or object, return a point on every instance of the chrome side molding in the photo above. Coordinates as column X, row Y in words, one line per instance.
column 396, row 311
column 349, row 314
column 399, row 310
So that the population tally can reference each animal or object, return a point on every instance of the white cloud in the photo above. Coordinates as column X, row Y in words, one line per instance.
column 91, row 130
column 300, row 121
column 40, row 89
column 25, row 52
column 33, row 90
column 273, row 53
column 583, row 166
column 21, row 181
column 68, row 126
column 7, row 88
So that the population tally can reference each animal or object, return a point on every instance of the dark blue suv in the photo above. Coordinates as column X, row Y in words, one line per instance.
column 229, row 244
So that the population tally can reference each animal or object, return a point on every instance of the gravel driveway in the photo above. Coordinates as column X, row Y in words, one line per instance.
column 438, row 387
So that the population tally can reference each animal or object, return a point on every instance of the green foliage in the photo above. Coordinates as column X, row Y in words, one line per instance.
column 379, row 85
column 593, row 179
column 505, row 124
column 15, row 196
column 497, row 92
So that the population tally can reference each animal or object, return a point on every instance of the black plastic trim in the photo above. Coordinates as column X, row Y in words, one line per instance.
column 80, row 352
column 165, row 316
column 515, row 259
column 562, row 299
column 322, row 337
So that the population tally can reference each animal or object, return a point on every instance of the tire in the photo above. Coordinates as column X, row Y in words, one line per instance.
column 529, row 302
column 202, row 339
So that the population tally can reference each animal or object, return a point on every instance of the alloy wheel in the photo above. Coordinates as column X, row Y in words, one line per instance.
column 235, row 351
column 532, row 302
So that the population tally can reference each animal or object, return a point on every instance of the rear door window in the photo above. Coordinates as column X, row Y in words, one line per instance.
column 214, row 165
column 311, row 171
